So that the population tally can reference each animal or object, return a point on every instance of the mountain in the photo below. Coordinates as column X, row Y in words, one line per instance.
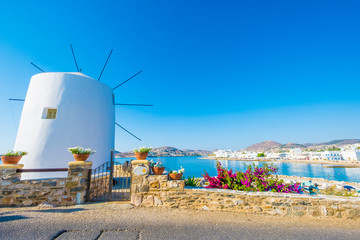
column 292, row 145
column 167, row 152
column 275, row 146
column 263, row 146
column 335, row 142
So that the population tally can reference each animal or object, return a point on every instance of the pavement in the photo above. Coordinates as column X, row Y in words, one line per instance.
column 118, row 220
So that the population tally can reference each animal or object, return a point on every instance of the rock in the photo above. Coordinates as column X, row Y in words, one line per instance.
column 324, row 211
column 59, row 193
column 148, row 201
column 354, row 213
column 205, row 208
column 257, row 209
column 46, row 205
column 238, row 202
column 155, row 184
column 136, row 200
column 173, row 184
column 277, row 212
column 157, row 201
column 27, row 202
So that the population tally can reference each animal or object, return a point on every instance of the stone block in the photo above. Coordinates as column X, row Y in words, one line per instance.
column 59, row 193
column 71, row 184
column 136, row 199
column 52, row 183
column 148, row 201
column 239, row 202
column 257, row 209
column 27, row 202
column 205, row 208
column 173, row 184
column 77, row 189
column 276, row 212
column 324, row 211
column 298, row 213
column 155, row 184
column 157, row 201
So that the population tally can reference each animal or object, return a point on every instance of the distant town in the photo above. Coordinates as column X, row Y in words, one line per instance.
column 167, row 152
column 336, row 150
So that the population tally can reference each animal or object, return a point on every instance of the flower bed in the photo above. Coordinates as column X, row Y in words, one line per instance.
column 253, row 179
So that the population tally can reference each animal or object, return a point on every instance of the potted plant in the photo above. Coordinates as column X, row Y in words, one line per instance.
column 81, row 154
column 157, row 168
column 12, row 157
column 141, row 153
column 176, row 174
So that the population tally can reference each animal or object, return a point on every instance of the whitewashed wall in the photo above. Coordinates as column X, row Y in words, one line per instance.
column 85, row 117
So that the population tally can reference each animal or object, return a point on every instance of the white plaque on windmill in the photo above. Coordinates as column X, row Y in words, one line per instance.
column 140, row 170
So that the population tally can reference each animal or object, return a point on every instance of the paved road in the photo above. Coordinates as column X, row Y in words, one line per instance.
column 120, row 221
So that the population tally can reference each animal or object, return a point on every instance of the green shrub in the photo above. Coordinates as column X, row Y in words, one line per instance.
column 192, row 182
column 80, row 150
column 15, row 153
column 142, row 150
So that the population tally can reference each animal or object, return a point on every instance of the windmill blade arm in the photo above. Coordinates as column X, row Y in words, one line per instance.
column 36, row 66
column 127, row 131
column 72, row 50
column 127, row 80
column 16, row 99
column 131, row 104
column 105, row 64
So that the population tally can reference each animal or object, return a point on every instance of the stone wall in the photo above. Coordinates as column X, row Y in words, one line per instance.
column 158, row 187
column 281, row 204
column 57, row 191
column 159, row 191
column 142, row 186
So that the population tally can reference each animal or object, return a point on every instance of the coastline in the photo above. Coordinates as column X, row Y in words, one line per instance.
column 322, row 162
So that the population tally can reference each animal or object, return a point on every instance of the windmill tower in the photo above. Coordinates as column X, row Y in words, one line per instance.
column 66, row 109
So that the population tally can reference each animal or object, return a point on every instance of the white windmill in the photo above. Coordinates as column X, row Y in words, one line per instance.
column 66, row 109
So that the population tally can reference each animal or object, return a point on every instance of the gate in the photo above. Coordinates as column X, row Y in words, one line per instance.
column 110, row 181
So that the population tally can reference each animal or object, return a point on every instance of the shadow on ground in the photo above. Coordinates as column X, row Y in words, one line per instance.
column 55, row 210
column 11, row 218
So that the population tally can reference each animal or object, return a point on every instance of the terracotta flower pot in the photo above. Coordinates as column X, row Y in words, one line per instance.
column 141, row 156
column 158, row 170
column 10, row 159
column 81, row 157
column 175, row 176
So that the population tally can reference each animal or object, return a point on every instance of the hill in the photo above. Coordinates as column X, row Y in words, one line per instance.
column 263, row 146
column 292, row 145
column 339, row 142
column 166, row 151
column 275, row 146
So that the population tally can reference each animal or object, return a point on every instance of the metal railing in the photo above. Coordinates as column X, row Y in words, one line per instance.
column 42, row 170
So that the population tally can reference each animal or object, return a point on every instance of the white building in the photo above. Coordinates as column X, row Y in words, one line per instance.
column 351, row 153
column 297, row 154
column 272, row 155
column 222, row 153
column 331, row 156
column 63, row 110
column 315, row 156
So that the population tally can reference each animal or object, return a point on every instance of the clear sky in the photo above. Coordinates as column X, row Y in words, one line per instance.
column 221, row 74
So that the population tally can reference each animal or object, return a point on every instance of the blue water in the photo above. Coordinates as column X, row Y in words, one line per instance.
column 196, row 167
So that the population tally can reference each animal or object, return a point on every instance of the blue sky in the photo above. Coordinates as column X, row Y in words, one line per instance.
column 221, row 74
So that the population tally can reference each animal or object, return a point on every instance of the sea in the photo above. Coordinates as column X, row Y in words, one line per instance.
column 196, row 167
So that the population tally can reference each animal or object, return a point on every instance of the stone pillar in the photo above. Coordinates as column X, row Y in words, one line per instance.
column 8, row 176
column 76, row 182
column 139, row 180
column 8, row 173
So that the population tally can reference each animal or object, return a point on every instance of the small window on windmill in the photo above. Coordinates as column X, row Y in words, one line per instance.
column 49, row 113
